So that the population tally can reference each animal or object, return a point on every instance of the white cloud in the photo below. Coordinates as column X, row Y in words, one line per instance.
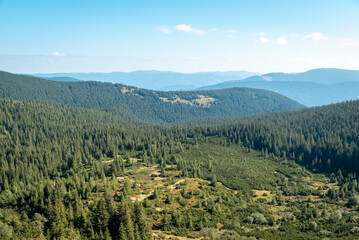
column 230, row 33
column 281, row 41
column 348, row 42
column 278, row 41
column 265, row 40
column 189, row 29
column 184, row 28
column 315, row 37
column 57, row 54
column 163, row 29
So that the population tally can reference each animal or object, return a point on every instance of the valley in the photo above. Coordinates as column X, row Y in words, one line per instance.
column 94, row 178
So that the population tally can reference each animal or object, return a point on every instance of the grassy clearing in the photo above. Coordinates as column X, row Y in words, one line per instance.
column 205, row 101
column 264, row 194
column 202, row 100
column 247, row 184
column 127, row 90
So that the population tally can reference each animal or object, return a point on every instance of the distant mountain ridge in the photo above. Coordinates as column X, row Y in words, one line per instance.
column 147, row 105
column 64, row 79
column 312, row 88
column 157, row 80
column 319, row 75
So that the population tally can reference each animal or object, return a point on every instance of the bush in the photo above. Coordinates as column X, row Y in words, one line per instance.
column 288, row 217
column 353, row 201
column 336, row 216
column 313, row 226
column 354, row 219
column 5, row 231
column 258, row 218
column 249, row 219
column 229, row 235
column 271, row 221
column 354, row 230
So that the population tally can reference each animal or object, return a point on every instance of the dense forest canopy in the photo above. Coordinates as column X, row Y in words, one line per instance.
column 71, row 173
column 150, row 106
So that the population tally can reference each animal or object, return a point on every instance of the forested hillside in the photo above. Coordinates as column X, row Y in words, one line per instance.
column 324, row 138
column 150, row 106
column 52, row 158
column 70, row 173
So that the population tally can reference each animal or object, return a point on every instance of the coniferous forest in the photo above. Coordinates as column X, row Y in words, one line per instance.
column 103, row 172
column 179, row 120
column 147, row 105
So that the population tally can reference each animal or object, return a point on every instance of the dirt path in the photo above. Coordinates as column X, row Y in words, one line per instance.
column 156, row 235
column 178, row 182
column 141, row 197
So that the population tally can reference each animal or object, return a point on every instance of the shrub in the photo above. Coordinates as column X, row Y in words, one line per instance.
column 353, row 201
column 336, row 216
column 259, row 218
column 313, row 226
column 354, row 230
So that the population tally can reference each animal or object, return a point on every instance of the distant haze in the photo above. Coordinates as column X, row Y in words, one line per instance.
column 312, row 88
column 156, row 80
column 315, row 87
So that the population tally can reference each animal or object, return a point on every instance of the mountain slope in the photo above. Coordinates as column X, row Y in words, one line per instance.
column 320, row 75
column 157, row 80
column 153, row 106
column 312, row 88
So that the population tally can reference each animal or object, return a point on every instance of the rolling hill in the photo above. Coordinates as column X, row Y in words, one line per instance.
column 313, row 88
column 150, row 106
column 321, row 75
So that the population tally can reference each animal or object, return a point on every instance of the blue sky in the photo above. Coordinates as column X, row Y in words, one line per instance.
column 185, row 36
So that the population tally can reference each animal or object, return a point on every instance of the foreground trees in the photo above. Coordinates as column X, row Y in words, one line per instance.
column 59, row 166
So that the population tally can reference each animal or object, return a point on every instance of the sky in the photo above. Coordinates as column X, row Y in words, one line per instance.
column 42, row 36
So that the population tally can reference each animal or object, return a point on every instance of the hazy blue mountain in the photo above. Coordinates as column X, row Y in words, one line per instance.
column 157, row 80
column 320, row 75
column 313, row 88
